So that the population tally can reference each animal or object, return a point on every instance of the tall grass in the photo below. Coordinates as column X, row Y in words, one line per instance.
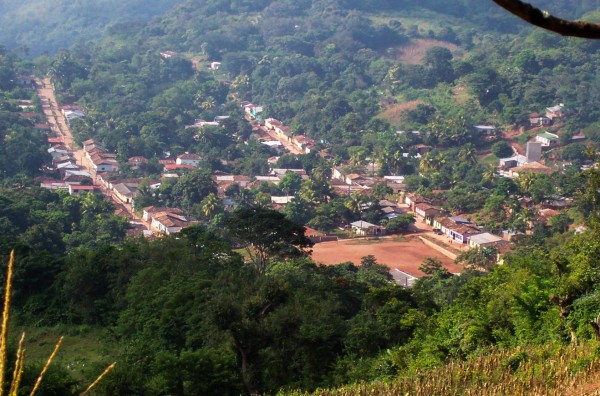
column 20, row 359
column 538, row 370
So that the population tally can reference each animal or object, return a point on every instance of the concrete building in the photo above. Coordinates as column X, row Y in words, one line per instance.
column 534, row 152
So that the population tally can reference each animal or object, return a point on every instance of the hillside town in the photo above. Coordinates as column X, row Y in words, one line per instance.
column 94, row 169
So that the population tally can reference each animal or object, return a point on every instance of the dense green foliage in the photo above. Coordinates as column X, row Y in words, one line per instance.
column 194, row 318
column 40, row 26
column 192, row 315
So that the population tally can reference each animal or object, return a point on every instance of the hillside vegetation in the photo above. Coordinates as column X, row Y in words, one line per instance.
column 45, row 26
column 234, row 304
column 549, row 370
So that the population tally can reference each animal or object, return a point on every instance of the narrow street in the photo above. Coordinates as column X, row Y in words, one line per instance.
column 58, row 125
column 266, row 134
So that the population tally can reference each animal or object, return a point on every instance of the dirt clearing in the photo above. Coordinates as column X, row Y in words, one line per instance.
column 406, row 255
column 394, row 114
column 414, row 52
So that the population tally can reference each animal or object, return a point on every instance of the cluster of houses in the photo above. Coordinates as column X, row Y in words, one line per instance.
column 195, row 61
column 100, row 158
column 530, row 162
column 347, row 182
column 200, row 123
column 458, row 229
column 542, row 120
column 283, row 133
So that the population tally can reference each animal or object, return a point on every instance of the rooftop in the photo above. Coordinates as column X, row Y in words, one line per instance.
column 485, row 238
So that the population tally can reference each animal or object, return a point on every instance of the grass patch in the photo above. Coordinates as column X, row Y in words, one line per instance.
column 489, row 159
column 83, row 350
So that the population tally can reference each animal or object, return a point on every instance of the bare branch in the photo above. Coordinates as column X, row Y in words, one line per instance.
column 544, row 20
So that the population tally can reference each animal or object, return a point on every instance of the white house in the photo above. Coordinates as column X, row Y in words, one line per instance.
column 365, row 228
column 485, row 129
column 547, row 139
column 189, row 159
column 555, row 111
column 483, row 240
column 169, row 222
column 272, row 123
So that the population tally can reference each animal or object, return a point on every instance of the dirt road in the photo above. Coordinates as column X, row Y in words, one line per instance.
column 58, row 125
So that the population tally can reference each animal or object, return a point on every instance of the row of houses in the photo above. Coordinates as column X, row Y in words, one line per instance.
column 70, row 176
column 458, row 229
column 101, row 159
column 301, row 142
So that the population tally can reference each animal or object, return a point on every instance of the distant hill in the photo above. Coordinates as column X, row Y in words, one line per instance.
column 45, row 26
column 48, row 25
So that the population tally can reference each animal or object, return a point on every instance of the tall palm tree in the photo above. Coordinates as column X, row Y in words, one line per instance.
column 308, row 193
column 354, row 202
column 525, row 180
column 468, row 153
column 208, row 103
column 209, row 205
column 490, row 173
column 431, row 162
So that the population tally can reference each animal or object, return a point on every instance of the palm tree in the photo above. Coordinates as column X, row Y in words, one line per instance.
column 240, row 81
column 468, row 153
column 525, row 180
column 490, row 173
column 322, row 171
column 208, row 103
column 209, row 205
column 308, row 193
column 354, row 202
column 431, row 162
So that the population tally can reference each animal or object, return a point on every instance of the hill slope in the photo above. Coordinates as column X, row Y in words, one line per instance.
column 46, row 26
column 545, row 370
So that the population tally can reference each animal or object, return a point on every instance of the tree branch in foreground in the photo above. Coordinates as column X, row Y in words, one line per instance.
column 544, row 20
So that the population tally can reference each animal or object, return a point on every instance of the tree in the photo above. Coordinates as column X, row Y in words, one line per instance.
column 290, row 183
column 210, row 205
column 267, row 234
column 400, row 223
column 192, row 188
column 468, row 153
column 438, row 59
column 502, row 149
column 381, row 190
column 478, row 258
column 432, row 266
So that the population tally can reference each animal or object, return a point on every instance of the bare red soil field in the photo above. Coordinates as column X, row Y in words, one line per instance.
column 414, row 52
column 406, row 255
column 394, row 114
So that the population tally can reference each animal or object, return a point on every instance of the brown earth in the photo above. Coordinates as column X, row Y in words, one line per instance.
column 394, row 114
column 414, row 52
column 406, row 255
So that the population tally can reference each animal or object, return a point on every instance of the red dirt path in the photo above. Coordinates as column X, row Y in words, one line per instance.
column 406, row 255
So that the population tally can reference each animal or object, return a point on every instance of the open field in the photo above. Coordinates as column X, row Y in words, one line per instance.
column 406, row 255
column 415, row 50
column 394, row 114
column 85, row 351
